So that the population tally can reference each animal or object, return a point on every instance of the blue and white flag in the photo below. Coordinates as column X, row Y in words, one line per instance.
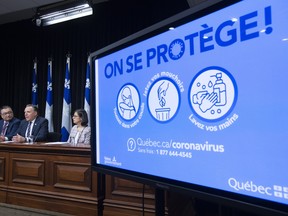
column 66, row 118
column 49, row 99
column 87, row 91
column 34, row 85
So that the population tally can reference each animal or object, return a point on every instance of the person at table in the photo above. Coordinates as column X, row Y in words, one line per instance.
column 8, row 124
column 33, row 127
column 80, row 132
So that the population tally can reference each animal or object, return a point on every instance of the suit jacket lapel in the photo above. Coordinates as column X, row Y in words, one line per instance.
column 35, row 124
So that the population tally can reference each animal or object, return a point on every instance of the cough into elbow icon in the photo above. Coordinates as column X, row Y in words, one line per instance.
column 128, row 102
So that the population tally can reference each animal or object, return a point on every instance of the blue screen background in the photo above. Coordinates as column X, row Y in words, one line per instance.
column 251, row 151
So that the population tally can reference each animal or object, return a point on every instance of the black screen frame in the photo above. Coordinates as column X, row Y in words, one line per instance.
column 256, row 205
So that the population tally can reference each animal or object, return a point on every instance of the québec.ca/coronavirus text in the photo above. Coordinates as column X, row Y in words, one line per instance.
column 178, row 145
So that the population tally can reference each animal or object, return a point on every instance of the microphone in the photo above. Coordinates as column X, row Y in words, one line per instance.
column 36, row 137
column 32, row 138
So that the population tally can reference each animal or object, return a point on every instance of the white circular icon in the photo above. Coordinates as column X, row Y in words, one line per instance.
column 163, row 100
column 128, row 102
column 213, row 93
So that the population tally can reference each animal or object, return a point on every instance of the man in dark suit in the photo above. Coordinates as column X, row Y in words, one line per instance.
column 33, row 127
column 8, row 124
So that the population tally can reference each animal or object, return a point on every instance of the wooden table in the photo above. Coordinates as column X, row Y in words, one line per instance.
column 55, row 177
column 59, row 177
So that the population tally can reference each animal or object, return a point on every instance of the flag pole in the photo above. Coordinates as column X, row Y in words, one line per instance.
column 49, row 98
column 88, row 89
column 66, row 118
column 34, row 83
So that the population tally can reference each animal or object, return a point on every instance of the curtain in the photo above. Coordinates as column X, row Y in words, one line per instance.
column 21, row 42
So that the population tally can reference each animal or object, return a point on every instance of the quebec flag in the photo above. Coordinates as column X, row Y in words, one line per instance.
column 87, row 91
column 66, row 118
column 49, row 99
column 34, row 85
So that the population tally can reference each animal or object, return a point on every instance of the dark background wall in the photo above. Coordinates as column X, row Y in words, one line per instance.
column 22, row 42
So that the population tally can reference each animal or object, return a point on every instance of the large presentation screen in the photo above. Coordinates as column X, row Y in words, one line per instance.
column 204, row 103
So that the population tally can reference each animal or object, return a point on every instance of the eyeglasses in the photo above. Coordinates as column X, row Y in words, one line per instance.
column 7, row 113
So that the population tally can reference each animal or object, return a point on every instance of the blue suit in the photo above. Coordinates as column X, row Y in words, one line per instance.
column 12, row 127
column 39, row 131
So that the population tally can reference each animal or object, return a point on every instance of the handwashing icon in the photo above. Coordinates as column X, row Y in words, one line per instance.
column 217, row 97
column 213, row 93
column 206, row 101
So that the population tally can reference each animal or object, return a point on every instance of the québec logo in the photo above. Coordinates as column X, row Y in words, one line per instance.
column 250, row 186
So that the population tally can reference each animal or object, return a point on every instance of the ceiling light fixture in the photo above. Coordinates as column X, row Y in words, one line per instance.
column 61, row 12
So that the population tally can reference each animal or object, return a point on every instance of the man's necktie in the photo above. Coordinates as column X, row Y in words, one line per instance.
column 5, row 125
column 28, row 129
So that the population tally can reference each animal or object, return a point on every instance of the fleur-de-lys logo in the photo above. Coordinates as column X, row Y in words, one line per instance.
column 49, row 86
column 67, row 84
column 34, row 87
column 87, row 83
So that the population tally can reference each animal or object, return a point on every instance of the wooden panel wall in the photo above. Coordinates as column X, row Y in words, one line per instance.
column 4, row 156
column 59, row 180
column 125, row 198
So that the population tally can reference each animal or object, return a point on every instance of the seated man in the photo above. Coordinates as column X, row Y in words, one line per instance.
column 8, row 124
column 33, row 127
